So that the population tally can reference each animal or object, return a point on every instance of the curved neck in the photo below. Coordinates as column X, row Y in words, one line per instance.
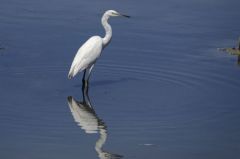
column 108, row 30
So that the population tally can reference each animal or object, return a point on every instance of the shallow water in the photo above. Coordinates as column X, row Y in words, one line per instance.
column 160, row 90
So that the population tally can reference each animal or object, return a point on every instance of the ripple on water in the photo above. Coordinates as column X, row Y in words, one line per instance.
column 180, row 73
column 182, row 76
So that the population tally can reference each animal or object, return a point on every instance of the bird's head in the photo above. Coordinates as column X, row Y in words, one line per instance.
column 114, row 13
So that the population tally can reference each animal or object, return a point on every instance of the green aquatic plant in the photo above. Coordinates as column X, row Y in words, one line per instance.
column 233, row 51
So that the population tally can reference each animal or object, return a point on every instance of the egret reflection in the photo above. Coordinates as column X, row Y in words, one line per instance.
column 86, row 117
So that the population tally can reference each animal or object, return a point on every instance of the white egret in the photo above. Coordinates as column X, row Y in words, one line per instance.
column 90, row 51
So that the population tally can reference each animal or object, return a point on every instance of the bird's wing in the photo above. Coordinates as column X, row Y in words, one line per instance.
column 86, row 55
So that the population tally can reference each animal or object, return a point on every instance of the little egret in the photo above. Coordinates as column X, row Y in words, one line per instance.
column 90, row 51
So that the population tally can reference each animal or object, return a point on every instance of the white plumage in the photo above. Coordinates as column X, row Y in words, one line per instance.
column 86, row 55
column 90, row 51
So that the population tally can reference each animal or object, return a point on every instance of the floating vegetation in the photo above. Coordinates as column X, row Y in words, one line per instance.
column 233, row 51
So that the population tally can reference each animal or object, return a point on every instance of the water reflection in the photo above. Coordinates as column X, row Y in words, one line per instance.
column 86, row 117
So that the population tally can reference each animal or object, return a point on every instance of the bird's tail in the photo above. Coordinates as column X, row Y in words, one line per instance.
column 70, row 76
column 71, row 73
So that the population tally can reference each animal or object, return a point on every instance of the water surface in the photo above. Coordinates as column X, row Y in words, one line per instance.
column 160, row 90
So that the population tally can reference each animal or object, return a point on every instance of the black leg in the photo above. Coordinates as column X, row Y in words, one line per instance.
column 83, row 90
column 86, row 75
column 88, row 72
column 85, row 87
column 83, row 78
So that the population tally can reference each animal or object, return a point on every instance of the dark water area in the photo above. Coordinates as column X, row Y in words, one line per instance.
column 161, row 89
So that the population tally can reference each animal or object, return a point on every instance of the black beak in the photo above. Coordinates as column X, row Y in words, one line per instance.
column 127, row 16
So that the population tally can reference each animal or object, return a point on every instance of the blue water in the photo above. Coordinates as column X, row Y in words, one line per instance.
column 161, row 89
